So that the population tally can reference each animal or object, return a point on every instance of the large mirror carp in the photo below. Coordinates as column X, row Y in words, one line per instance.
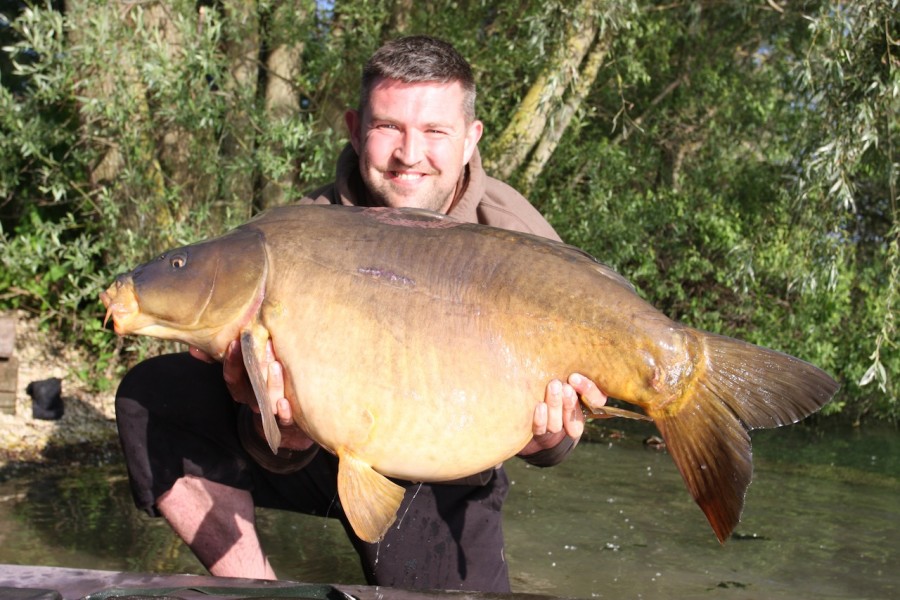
column 443, row 337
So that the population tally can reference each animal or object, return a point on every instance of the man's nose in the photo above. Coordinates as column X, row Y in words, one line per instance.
column 409, row 150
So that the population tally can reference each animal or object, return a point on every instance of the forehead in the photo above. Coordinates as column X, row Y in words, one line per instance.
column 423, row 101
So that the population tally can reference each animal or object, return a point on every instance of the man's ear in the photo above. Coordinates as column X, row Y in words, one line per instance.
column 473, row 134
column 354, row 122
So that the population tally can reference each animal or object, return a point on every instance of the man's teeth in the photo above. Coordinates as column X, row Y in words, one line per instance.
column 407, row 176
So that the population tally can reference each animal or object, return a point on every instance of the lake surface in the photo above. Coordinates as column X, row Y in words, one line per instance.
column 822, row 520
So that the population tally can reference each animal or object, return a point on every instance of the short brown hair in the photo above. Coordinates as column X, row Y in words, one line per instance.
column 419, row 59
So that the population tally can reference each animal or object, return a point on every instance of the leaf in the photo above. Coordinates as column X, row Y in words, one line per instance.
column 869, row 376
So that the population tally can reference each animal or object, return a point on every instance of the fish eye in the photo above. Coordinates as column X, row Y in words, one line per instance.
column 178, row 261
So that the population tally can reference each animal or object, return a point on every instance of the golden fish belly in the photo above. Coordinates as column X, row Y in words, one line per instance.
column 414, row 406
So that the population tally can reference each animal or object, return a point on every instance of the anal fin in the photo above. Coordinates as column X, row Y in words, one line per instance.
column 605, row 412
column 370, row 500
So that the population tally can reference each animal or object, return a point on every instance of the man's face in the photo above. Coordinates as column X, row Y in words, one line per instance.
column 413, row 143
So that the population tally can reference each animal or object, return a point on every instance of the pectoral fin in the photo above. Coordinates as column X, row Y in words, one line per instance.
column 253, row 347
column 370, row 500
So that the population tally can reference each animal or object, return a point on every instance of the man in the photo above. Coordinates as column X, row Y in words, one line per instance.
column 199, row 459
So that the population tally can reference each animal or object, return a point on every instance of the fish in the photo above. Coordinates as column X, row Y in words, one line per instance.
column 416, row 347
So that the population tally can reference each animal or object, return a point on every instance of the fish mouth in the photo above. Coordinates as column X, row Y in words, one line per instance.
column 121, row 305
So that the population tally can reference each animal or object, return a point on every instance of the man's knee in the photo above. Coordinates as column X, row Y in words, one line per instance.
column 162, row 383
column 175, row 418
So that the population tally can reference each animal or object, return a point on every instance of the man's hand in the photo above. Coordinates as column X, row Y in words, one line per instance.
column 238, row 383
column 560, row 414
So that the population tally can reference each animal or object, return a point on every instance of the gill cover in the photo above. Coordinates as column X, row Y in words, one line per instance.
column 205, row 286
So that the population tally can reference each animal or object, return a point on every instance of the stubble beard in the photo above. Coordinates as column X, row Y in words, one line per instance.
column 429, row 201
column 384, row 193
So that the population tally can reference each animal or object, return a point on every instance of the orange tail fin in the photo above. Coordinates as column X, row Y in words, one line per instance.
column 740, row 387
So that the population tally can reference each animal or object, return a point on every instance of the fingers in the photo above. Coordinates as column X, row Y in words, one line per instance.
column 292, row 436
column 559, row 411
column 275, row 388
column 270, row 351
column 571, row 417
column 548, row 415
column 590, row 394
column 539, row 426
column 588, row 391
column 238, row 382
column 233, row 364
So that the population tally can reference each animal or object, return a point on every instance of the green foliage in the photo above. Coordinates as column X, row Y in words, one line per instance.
column 737, row 162
column 751, row 191
column 112, row 148
column 50, row 268
column 852, row 80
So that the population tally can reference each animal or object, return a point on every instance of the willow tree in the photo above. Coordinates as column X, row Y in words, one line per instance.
column 850, row 78
column 738, row 162
column 547, row 107
column 179, row 102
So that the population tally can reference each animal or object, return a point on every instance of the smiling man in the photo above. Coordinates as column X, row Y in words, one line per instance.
column 412, row 149
column 194, row 447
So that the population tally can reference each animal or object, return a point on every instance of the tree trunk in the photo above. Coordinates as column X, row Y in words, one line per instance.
column 545, row 96
column 116, row 111
column 550, row 140
column 282, row 98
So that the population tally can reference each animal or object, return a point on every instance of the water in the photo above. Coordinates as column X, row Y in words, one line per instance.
column 822, row 520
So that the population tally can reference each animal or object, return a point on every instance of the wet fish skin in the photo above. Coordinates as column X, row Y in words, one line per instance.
column 416, row 347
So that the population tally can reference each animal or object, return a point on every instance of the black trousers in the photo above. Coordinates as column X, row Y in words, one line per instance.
column 176, row 418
